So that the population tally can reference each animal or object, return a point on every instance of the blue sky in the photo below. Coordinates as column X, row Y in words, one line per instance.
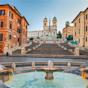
column 36, row 10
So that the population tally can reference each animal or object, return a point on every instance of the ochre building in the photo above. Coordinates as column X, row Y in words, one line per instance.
column 68, row 31
column 13, row 28
column 80, row 29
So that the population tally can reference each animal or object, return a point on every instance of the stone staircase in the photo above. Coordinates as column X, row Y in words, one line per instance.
column 50, row 49
column 31, row 46
column 84, row 52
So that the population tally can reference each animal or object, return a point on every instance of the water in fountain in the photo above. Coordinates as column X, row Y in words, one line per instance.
column 61, row 80
column 50, row 64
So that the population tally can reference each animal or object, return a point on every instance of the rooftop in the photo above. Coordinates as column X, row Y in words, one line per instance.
column 15, row 10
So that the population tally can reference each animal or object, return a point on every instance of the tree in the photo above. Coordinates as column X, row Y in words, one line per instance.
column 38, row 37
column 59, row 35
column 70, row 37
column 31, row 39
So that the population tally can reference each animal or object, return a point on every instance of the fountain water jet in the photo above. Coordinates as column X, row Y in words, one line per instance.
column 49, row 70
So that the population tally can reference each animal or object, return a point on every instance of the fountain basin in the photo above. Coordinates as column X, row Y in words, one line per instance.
column 49, row 75
column 36, row 80
column 49, row 72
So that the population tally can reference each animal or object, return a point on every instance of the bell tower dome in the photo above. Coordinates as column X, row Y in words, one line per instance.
column 45, row 23
column 54, row 21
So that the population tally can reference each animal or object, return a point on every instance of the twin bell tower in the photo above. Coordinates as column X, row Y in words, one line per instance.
column 50, row 24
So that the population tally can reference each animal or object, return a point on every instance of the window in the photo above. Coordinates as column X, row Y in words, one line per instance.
column 79, row 31
column 1, row 37
column 10, row 15
column 26, row 26
column 86, row 16
column 10, row 25
column 19, row 30
column 79, row 40
column 10, row 36
column 19, row 21
column 1, row 24
column 86, row 39
column 18, row 39
column 2, row 12
column 45, row 24
column 75, row 33
column 75, row 24
column 86, row 28
column 79, row 20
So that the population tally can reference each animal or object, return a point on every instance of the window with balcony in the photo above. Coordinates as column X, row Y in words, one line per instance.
column 2, row 12
column 1, row 37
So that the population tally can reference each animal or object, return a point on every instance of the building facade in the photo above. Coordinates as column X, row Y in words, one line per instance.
column 49, row 31
column 80, row 29
column 35, row 34
column 69, row 30
column 86, row 28
column 13, row 28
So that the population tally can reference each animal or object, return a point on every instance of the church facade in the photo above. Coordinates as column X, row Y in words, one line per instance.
column 49, row 31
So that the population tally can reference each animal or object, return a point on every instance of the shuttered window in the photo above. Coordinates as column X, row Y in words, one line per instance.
column 2, row 12
column 1, row 37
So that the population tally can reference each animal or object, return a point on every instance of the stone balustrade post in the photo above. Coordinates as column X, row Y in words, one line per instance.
column 76, row 51
column 14, row 66
column 23, row 51
column 7, row 51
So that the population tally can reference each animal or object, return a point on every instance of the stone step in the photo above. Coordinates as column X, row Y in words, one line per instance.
column 50, row 49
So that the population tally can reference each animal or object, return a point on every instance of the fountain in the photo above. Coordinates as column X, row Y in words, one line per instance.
column 5, row 73
column 35, row 79
column 61, row 80
column 14, row 66
column 49, row 70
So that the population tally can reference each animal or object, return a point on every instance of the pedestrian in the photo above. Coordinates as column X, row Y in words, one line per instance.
column 7, row 54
